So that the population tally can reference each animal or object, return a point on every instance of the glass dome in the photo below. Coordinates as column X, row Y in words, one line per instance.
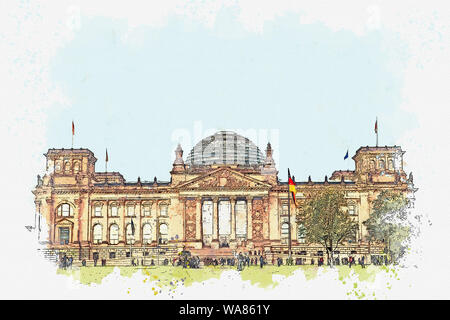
column 225, row 147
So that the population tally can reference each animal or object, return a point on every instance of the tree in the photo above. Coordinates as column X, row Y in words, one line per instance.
column 325, row 220
column 389, row 223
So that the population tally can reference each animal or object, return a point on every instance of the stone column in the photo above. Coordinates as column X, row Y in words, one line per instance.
column 233, row 218
column 249, row 218
column 184, row 204
column 138, row 226
column 124, row 223
column 215, row 235
column 198, row 220
column 79, row 226
column 52, row 224
column 105, row 226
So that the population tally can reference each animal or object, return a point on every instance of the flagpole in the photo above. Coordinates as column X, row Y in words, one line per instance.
column 376, row 131
column 289, row 218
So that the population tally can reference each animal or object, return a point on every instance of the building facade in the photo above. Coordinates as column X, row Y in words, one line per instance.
column 224, row 198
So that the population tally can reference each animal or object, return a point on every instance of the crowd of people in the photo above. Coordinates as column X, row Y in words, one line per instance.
column 65, row 262
column 240, row 260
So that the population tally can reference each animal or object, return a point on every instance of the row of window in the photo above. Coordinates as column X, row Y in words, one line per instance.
column 381, row 164
column 351, row 209
column 301, row 237
column 300, row 232
column 130, row 210
column 66, row 210
column 68, row 167
column 97, row 232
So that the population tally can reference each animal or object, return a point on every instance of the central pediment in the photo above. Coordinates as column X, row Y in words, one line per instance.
column 224, row 178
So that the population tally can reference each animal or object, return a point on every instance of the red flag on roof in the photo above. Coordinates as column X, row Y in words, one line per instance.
column 73, row 129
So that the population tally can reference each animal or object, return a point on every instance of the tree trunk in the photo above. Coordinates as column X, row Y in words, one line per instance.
column 332, row 259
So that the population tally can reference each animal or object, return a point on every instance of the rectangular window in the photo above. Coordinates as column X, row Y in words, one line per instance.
column 163, row 210
column 284, row 209
column 241, row 218
column 98, row 211
column 112, row 255
column 351, row 210
column 130, row 211
column 114, row 211
column 146, row 211
column 207, row 217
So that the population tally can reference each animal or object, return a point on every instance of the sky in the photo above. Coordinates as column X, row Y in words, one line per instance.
column 309, row 76
column 311, row 91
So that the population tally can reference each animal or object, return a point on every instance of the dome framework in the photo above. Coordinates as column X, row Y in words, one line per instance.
column 225, row 147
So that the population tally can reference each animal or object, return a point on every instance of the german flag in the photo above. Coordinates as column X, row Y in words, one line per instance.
column 291, row 185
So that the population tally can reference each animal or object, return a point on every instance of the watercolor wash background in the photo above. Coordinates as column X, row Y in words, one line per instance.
column 130, row 76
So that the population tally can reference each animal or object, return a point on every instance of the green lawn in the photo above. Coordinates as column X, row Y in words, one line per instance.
column 168, row 276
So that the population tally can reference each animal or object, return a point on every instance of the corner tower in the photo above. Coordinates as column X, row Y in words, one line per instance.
column 379, row 165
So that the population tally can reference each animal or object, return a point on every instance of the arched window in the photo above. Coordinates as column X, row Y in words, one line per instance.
column 58, row 166
column 301, row 234
column 64, row 210
column 285, row 229
column 372, row 164
column 381, row 164
column 163, row 229
column 76, row 167
column 67, row 167
column 391, row 165
column 97, row 231
column 130, row 234
column 147, row 233
column 114, row 234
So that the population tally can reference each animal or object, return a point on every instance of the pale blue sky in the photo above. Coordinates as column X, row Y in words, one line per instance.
column 321, row 89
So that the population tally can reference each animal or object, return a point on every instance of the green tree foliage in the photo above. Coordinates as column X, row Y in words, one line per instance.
column 325, row 220
column 389, row 223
